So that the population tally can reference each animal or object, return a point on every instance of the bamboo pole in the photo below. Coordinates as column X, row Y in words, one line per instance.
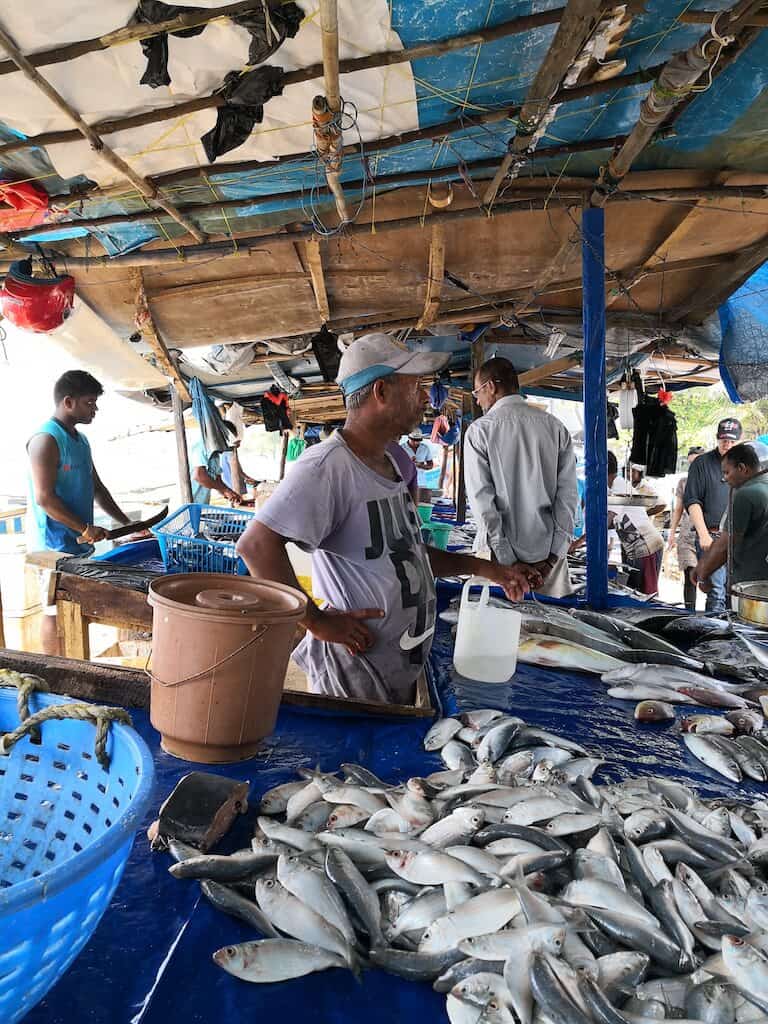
column 578, row 21
column 149, row 332
column 146, row 188
column 330, row 104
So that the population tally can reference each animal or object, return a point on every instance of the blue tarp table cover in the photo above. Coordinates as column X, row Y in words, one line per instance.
column 149, row 961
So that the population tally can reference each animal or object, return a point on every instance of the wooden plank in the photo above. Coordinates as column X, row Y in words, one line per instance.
column 149, row 332
column 720, row 284
column 83, row 679
column 550, row 369
column 315, row 267
column 352, row 706
column 435, row 273
column 73, row 629
column 104, row 602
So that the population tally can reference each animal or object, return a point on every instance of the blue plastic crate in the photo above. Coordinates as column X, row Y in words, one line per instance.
column 202, row 538
column 66, row 830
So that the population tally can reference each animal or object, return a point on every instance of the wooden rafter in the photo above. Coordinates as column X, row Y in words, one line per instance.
column 132, row 33
column 315, row 266
column 718, row 285
column 578, row 21
column 145, row 187
column 660, row 254
column 146, row 323
column 435, row 272
column 539, row 373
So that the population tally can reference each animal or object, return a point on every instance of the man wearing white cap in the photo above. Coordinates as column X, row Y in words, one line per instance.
column 346, row 502
column 419, row 451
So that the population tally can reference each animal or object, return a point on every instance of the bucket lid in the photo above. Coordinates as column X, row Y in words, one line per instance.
column 222, row 597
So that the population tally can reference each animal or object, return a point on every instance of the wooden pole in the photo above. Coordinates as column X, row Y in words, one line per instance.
column 578, row 21
column 150, row 334
column 461, row 500
column 182, row 455
column 145, row 187
column 283, row 452
column 332, row 155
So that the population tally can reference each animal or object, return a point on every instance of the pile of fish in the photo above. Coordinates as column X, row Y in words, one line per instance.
column 510, row 881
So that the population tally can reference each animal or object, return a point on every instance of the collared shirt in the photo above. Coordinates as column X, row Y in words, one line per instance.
column 520, row 471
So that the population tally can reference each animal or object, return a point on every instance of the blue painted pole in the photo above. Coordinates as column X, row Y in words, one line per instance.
column 595, row 434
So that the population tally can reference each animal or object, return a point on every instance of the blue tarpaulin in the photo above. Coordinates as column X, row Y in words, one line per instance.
column 149, row 961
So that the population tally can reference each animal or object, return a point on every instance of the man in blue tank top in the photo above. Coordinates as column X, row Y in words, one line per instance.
column 64, row 483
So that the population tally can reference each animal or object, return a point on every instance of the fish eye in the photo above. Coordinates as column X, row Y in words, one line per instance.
column 269, row 883
column 230, row 951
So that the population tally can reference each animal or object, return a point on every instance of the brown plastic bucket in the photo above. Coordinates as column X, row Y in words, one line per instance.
column 220, row 648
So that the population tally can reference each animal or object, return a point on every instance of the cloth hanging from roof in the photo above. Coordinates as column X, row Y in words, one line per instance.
column 268, row 26
column 438, row 395
column 213, row 433
column 274, row 409
column 654, row 442
column 245, row 96
column 325, row 347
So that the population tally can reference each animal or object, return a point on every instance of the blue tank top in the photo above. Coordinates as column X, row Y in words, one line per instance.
column 74, row 485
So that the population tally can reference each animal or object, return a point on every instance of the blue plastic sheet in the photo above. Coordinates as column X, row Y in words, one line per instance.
column 149, row 961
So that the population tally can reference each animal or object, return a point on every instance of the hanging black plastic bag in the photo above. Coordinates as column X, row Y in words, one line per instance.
column 269, row 26
column 245, row 97
column 155, row 48
column 325, row 346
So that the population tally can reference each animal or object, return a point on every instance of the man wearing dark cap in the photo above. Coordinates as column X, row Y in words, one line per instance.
column 706, row 501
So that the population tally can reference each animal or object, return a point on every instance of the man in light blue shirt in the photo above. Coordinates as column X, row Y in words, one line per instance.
column 205, row 471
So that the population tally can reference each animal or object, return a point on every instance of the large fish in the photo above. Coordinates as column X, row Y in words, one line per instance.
column 694, row 628
column 553, row 653
column 626, row 632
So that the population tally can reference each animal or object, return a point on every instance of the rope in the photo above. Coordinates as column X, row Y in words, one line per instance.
column 100, row 714
column 26, row 685
column 217, row 664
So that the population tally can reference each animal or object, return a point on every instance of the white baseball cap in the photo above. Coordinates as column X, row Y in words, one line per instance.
column 376, row 355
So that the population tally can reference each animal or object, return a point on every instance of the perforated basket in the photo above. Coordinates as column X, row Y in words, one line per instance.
column 202, row 538
column 66, row 829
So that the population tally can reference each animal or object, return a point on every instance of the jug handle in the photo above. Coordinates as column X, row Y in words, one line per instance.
column 485, row 596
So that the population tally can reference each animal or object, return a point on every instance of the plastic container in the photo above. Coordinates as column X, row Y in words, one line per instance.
column 202, row 538
column 437, row 534
column 66, row 829
column 220, row 648
column 425, row 513
column 487, row 638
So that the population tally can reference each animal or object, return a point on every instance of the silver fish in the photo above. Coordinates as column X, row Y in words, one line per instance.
column 713, row 757
column 550, row 652
column 270, row 960
column 296, row 919
column 440, row 733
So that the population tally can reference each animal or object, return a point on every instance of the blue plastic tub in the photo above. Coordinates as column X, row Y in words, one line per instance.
column 202, row 538
column 66, row 829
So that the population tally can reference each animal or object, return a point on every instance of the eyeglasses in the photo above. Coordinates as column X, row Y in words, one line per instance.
column 477, row 391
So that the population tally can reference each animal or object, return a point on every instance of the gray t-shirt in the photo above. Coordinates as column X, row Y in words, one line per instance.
column 367, row 552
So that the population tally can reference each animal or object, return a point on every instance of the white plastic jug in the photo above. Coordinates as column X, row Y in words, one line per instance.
column 487, row 637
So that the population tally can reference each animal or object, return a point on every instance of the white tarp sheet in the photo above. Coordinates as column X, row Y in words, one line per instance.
column 106, row 84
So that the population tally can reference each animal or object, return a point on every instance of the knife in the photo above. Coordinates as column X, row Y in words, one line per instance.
column 124, row 531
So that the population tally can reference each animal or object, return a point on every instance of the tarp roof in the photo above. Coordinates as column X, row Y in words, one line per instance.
column 668, row 251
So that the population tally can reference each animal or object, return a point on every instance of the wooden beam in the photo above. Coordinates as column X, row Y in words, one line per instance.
column 132, row 33
column 145, row 187
column 538, row 373
column 73, row 629
column 720, row 284
column 577, row 22
column 283, row 453
column 326, row 109
column 660, row 254
column 149, row 332
column 315, row 267
column 435, row 272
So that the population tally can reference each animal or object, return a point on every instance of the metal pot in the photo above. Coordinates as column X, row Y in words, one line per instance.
column 750, row 602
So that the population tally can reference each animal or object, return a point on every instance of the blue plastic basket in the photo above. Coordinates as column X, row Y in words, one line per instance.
column 66, row 830
column 202, row 538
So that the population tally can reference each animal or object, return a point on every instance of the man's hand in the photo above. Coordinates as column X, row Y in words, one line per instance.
column 544, row 568
column 704, row 583
column 671, row 542
column 348, row 628
column 515, row 580
column 705, row 542
column 232, row 496
column 93, row 534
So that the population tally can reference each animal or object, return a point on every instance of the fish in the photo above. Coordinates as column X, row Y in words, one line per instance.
column 645, row 692
column 554, row 915
column 745, row 720
column 703, row 724
column 654, row 711
column 694, row 628
column 628, row 633
column 549, row 652
column 730, row 657
column 272, row 960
